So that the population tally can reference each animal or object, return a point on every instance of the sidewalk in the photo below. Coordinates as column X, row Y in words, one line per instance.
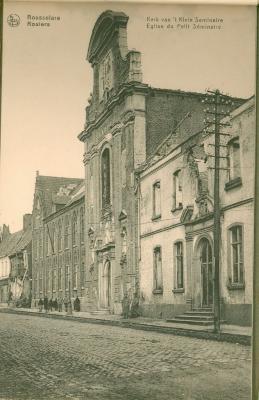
column 229, row 333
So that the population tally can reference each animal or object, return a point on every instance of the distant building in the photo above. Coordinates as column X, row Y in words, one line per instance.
column 126, row 120
column 15, row 263
column 176, row 224
column 58, row 238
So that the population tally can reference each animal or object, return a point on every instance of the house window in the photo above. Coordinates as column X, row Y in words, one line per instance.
column 105, row 172
column 236, row 254
column 82, row 224
column 234, row 159
column 66, row 233
column 75, row 276
column 156, row 200
column 158, row 280
column 82, row 275
column 177, row 190
column 74, row 229
column 178, row 260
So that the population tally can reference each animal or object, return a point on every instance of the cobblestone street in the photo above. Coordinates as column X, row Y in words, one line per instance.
column 58, row 359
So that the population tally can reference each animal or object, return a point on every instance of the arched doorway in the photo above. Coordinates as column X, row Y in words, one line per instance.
column 205, row 250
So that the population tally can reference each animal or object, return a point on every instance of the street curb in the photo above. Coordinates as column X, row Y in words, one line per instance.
column 222, row 337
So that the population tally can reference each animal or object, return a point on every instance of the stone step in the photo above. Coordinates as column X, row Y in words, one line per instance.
column 200, row 313
column 100, row 312
column 195, row 317
column 203, row 309
column 190, row 322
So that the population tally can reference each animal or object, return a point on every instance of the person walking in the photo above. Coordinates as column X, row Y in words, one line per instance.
column 50, row 304
column 40, row 304
column 60, row 303
column 69, row 307
column 46, row 304
column 134, row 310
column 55, row 304
column 77, row 304
column 66, row 303
column 125, row 306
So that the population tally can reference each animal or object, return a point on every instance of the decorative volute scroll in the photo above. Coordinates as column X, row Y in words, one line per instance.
column 108, row 25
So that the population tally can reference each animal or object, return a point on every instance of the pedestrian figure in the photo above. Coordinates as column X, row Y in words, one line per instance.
column 77, row 304
column 50, row 304
column 66, row 303
column 40, row 304
column 134, row 310
column 69, row 307
column 46, row 304
column 60, row 302
column 55, row 304
column 125, row 306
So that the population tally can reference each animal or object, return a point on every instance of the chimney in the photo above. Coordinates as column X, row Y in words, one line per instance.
column 27, row 219
column 6, row 232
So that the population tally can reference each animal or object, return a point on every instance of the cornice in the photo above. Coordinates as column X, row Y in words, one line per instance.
column 126, row 89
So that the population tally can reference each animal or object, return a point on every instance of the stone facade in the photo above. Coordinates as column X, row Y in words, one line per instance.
column 176, row 237
column 126, row 120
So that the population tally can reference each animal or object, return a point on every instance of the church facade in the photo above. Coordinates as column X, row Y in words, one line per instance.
column 126, row 120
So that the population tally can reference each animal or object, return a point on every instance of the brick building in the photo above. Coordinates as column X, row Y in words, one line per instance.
column 176, row 225
column 57, row 237
column 126, row 120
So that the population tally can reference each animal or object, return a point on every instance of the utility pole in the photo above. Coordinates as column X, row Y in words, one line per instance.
column 216, row 233
column 217, row 99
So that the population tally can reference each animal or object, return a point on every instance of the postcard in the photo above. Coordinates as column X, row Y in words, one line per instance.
column 128, row 139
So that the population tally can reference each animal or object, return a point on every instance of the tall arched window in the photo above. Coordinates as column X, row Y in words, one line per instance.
column 82, row 224
column 59, row 234
column 106, row 179
column 74, row 229
column 66, row 233
column 54, row 238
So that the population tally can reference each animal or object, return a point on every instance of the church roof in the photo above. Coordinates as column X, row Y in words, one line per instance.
column 15, row 242
column 55, row 190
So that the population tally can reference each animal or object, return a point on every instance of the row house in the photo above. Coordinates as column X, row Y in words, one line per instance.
column 15, row 264
column 58, row 238
column 126, row 120
column 176, row 201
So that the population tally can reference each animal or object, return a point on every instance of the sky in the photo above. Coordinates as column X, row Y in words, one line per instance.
column 47, row 80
